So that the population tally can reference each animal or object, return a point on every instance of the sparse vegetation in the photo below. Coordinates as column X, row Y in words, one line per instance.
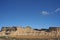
column 5, row 38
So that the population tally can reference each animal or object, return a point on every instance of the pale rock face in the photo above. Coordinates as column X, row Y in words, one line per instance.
column 2, row 33
column 30, row 32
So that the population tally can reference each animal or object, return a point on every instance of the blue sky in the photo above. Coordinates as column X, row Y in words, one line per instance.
column 34, row 13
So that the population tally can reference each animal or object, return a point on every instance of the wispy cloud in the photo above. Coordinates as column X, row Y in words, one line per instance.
column 50, row 13
column 44, row 13
column 57, row 10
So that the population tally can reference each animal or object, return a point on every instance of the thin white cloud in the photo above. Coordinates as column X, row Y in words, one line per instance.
column 44, row 13
column 57, row 10
column 50, row 13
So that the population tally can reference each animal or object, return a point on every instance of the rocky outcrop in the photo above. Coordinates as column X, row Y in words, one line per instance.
column 29, row 32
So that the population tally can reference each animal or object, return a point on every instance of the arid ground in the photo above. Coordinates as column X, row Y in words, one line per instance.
column 8, row 38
